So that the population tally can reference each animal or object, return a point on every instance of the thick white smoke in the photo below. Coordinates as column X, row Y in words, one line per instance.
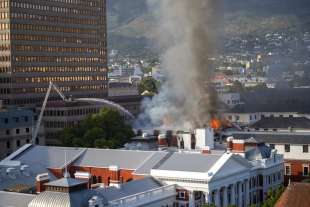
column 186, row 35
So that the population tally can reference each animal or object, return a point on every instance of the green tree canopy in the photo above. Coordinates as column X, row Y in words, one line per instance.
column 107, row 129
column 149, row 84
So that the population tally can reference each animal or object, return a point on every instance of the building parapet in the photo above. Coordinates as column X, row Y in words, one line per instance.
column 269, row 162
column 145, row 197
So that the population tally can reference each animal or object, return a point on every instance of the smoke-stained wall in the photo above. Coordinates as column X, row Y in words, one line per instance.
column 187, row 35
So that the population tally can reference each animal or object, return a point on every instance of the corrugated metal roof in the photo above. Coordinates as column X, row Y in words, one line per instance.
column 146, row 167
column 130, row 188
column 191, row 162
column 59, row 199
column 15, row 199
column 124, row 159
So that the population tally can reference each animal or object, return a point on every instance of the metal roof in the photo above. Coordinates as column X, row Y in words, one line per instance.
column 9, row 199
column 146, row 166
column 276, row 138
column 125, row 159
column 129, row 188
column 190, row 162
column 283, row 123
column 59, row 199
column 66, row 182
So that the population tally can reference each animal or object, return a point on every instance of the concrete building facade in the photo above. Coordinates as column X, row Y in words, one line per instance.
column 63, row 41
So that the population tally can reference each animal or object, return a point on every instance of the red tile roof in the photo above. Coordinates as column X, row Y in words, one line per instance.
column 295, row 195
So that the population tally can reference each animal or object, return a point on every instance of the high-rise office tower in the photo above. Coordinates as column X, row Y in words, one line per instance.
column 63, row 41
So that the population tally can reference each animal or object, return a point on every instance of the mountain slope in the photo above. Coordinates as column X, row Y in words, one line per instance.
column 131, row 26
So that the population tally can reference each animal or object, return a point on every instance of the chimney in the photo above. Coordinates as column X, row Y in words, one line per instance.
column 238, row 146
column 162, row 141
column 114, row 176
column 83, row 176
column 41, row 179
column 230, row 144
column 206, row 150
column 204, row 138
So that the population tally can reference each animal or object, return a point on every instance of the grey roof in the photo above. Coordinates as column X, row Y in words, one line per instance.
column 42, row 157
column 191, row 162
column 66, row 182
column 60, row 199
column 39, row 159
column 129, row 188
column 276, row 138
column 283, row 123
column 9, row 199
column 125, row 159
column 145, row 168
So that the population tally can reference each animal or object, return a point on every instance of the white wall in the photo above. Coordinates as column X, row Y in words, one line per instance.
column 295, row 152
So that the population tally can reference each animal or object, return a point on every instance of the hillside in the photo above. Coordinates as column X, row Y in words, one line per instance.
column 131, row 25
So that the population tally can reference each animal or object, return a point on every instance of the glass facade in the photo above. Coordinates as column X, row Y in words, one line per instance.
column 63, row 41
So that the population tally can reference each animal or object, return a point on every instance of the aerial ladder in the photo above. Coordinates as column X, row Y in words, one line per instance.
column 38, row 124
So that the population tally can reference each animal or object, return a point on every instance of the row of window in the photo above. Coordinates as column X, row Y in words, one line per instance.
column 62, row 88
column 287, row 148
column 82, row 11
column 34, row 48
column 58, row 19
column 4, row 37
column 79, row 2
column 4, row 15
column 15, row 119
column 17, row 131
column 59, row 79
column 58, row 59
column 4, row 26
column 73, row 112
column 44, row 38
column 4, row 4
column 288, row 169
column 5, row 69
column 48, row 28
column 58, row 69
column 5, row 58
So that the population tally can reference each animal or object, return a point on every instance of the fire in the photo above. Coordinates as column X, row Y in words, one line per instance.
column 216, row 123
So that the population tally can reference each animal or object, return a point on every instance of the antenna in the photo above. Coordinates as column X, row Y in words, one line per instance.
column 66, row 174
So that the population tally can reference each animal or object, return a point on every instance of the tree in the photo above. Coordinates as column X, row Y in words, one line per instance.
column 272, row 197
column 149, row 84
column 107, row 129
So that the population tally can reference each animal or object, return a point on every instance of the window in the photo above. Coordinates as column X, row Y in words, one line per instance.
column 287, row 148
column 272, row 146
column 305, row 170
column 305, row 148
column 27, row 130
column 18, row 143
column 27, row 141
column 8, row 144
column 182, row 194
column 287, row 169
column 17, row 131
column 6, row 120
column 7, row 132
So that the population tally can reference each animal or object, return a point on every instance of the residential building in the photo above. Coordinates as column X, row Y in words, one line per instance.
column 16, row 125
column 58, row 40
column 241, row 175
column 293, row 146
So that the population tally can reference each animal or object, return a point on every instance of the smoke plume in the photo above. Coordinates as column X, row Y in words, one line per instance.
column 187, row 37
